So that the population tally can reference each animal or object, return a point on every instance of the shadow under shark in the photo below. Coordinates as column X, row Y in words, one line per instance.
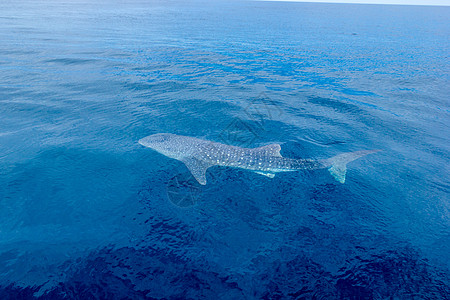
column 198, row 155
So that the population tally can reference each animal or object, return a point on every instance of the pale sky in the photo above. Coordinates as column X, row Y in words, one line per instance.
column 405, row 2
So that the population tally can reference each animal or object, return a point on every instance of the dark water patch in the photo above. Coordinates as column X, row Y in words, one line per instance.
column 142, row 274
column 398, row 273
column 71, row 61
column 151, row 68
column 145, row 273
column 90, row 90
column 341, row 107
column 356, row 92
column 284, row 273
column 12, row 291
column 157, row 87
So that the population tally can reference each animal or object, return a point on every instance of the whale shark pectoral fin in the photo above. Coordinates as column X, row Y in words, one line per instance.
column 272, row 150
column 270, row 175
column 338, row 172
column 197, row 167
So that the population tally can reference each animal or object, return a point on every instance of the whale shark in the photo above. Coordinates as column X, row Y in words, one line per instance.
column 198, row 155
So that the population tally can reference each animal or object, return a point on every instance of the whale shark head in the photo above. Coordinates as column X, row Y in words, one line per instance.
column 171, row 145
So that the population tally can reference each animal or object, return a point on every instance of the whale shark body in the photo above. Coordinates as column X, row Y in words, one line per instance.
column 198, row 155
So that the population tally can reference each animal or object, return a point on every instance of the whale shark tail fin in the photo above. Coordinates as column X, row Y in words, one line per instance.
column 338, row 164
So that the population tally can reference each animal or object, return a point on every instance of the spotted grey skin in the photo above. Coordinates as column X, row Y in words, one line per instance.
column 198, row 155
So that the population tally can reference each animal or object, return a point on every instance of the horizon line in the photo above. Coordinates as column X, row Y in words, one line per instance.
column 358, row 2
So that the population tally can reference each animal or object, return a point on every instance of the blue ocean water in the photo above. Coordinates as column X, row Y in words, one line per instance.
column 88, row 213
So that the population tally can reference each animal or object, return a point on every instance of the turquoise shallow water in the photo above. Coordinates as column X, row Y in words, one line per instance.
column 86, row 212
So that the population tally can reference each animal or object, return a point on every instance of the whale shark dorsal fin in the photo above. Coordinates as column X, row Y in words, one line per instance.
column 272, row 149
column 197, row 167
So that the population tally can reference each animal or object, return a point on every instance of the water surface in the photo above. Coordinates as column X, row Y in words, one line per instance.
column 85, row 211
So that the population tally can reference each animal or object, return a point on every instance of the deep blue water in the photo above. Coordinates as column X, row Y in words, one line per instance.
column 86, row 212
